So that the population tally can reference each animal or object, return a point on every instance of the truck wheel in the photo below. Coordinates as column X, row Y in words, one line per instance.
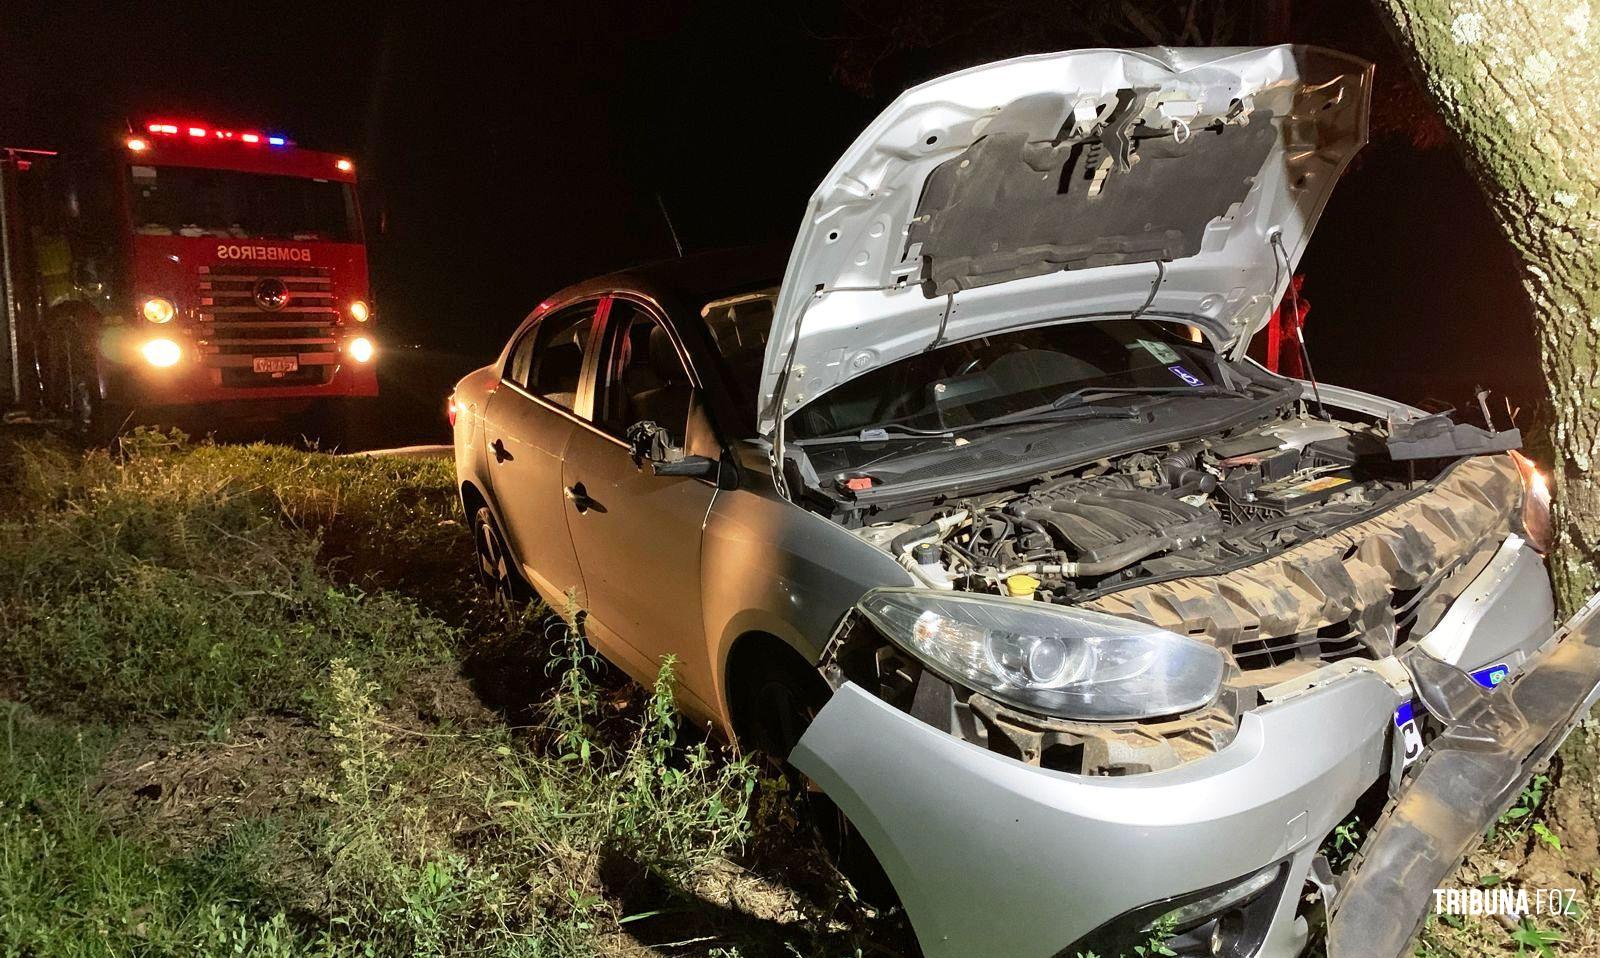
column 96, row 419
column 495, row 568
column 71, row 381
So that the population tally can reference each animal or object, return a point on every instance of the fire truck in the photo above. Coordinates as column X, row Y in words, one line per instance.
column 181, row 270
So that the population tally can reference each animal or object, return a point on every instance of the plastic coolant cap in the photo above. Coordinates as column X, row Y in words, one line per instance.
column 1021, row 584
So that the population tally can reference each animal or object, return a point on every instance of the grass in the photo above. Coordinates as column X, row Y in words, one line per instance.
column 250, row 706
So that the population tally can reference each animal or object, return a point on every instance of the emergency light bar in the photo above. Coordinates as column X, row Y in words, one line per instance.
column 202, row 133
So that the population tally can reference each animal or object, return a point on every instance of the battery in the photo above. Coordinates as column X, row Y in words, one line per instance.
column 1292, row 495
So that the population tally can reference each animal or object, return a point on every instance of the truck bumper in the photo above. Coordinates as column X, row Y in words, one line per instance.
column 993, row 856
column 189, row 384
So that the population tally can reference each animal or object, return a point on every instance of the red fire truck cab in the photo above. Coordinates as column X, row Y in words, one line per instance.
column 187, row 266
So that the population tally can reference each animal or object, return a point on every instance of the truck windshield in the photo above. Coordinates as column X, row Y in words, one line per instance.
column 189, row 201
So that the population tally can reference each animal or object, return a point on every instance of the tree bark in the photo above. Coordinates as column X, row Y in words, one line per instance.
column 1518, row 83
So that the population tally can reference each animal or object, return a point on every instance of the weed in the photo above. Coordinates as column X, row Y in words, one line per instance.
column 1530, row 939
column 163, row 598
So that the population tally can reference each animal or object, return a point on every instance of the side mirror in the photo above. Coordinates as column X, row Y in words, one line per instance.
column 84, row 280
column 649, row 444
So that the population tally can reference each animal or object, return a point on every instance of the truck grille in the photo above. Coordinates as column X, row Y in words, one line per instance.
column 234, row 330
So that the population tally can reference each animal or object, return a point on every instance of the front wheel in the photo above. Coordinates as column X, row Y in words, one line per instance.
column 495, row 569
column 776, row 703
column 73, row 391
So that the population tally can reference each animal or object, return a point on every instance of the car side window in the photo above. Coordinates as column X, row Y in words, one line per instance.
column 644, row 377
column 548, row 360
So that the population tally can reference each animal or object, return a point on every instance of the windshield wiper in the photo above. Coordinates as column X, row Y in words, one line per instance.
column 891, row 431
column 1090, row 394
column 1080, row 401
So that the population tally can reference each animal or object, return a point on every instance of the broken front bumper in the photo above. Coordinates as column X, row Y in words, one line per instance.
column 1491, row 744
column 995, row 857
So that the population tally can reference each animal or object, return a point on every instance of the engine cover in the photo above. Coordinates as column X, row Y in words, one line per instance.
column 1096, row 521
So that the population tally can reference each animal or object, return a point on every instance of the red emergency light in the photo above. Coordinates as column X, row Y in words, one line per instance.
column 198, row 132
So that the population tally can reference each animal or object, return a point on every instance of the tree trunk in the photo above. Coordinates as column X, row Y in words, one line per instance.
column 1518, row 82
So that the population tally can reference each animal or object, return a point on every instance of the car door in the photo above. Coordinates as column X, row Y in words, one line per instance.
column 528, row 424
column 637, row 534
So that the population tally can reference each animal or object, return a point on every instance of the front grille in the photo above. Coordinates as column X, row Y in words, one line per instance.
column 1341, row 640
column 234, row 330
column 1328, row 644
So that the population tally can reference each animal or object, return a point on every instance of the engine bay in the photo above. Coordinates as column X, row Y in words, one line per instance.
column 1188, row 508
column 1289, row 545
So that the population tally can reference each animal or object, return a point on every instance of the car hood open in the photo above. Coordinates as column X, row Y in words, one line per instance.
column 1178, row 183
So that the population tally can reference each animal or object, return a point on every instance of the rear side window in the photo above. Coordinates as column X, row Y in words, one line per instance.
column 548, row 360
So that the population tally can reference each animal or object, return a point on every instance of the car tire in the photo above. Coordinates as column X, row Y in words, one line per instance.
column 777, row 705
column 496, row 569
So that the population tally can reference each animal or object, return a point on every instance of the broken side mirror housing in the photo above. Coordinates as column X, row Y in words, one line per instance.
column 650, row 444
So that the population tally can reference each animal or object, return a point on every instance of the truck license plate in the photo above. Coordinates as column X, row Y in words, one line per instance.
column 275, row 364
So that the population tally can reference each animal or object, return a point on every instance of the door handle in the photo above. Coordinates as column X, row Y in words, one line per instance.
column 578, row 496
column 501, row 453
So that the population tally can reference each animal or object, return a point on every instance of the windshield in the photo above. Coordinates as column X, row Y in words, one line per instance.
column 189, row 201
column 982, row 379
column 739, row 326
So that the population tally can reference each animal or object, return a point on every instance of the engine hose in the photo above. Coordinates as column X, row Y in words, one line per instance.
column 1175, row 464
column 1194, row 483
column 1127, row 555
column 937, row 529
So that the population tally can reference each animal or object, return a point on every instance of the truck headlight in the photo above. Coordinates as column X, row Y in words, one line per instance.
column 360, row 349
column 158, row 310
column 162, row 353
column 359, row 311
column 1052, row 660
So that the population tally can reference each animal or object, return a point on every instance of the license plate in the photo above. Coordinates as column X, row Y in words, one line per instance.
column 275, row 364
column 1407, row 731
column 1405, row 724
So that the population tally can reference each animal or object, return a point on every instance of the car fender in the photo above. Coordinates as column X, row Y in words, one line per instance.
column 770, row 566
column 1343, row 397
column 471, row 398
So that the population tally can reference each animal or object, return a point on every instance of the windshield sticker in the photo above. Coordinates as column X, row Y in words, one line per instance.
column 1163, row 353
column 1186, row 375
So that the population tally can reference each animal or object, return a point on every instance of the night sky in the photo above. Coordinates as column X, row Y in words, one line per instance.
column 508, row 151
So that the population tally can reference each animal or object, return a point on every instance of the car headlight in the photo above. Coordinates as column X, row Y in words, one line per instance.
column 1048, row 659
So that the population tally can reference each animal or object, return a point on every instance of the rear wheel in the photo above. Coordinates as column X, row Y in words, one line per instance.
column 495, row 569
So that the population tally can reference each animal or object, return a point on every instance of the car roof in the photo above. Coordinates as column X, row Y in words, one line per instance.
column 700, row 278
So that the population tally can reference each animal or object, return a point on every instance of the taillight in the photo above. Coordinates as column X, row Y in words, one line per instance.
column 450, row 410
column 1536, row 524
